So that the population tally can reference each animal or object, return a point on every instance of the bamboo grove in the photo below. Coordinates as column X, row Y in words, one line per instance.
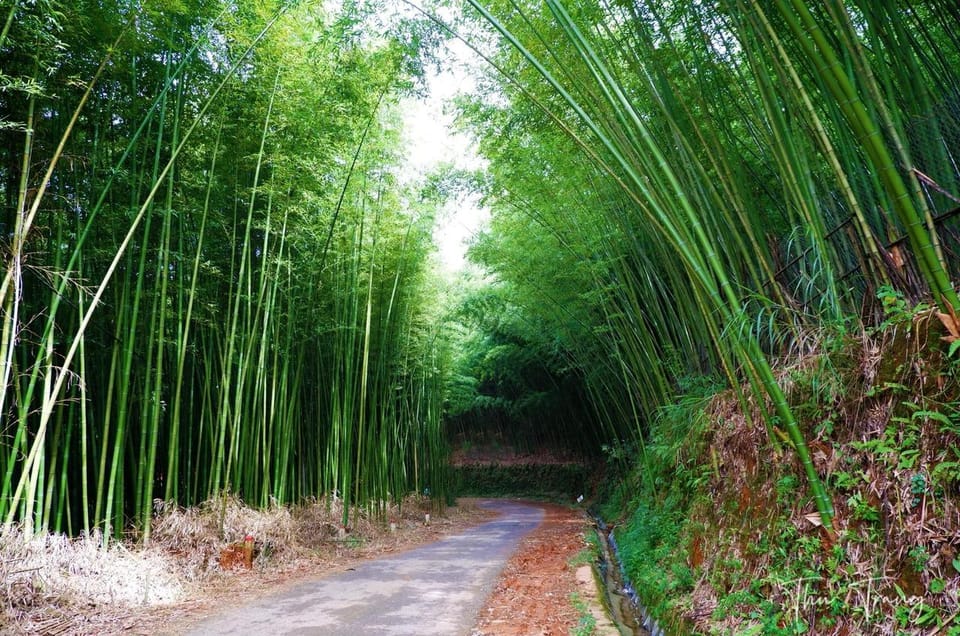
column 214, row 279
column 685, row 191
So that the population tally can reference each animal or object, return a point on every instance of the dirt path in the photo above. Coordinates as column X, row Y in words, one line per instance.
column 544, row 589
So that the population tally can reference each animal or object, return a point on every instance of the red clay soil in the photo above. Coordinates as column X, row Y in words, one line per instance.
column 532, row 596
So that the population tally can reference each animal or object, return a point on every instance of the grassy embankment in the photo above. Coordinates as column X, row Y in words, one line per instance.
column 718, row 531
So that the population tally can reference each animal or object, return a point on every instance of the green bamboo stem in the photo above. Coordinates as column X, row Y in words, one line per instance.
column 831, row 71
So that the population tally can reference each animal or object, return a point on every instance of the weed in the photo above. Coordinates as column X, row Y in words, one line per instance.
column 584, row 557
column 918, row 488
column 843, row 480
column 682, row 579
column 917, row 615
column 948, row 472
column 735, row 603
column 586, row 624
column 894, row 388
column 825, row 428
column 899, row 445
column 896, row 309
column 618, row 451
column 948, row 421
column 861, row 509
column 647, row 545
column 883, row 447
column 919, row 557
column 786, row 489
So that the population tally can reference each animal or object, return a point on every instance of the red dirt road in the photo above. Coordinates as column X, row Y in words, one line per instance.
column 532, row 595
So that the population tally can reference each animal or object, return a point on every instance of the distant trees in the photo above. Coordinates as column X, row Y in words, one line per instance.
column 512, row 383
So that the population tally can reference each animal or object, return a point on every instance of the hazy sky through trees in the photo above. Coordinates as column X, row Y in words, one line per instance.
column 431, row 141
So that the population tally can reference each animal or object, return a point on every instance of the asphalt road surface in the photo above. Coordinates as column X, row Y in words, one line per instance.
column 433, row 590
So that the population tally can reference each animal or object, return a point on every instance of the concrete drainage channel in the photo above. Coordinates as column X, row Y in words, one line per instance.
column 626, row 611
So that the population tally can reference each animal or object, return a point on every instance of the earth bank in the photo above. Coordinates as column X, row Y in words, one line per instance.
column 719, row 531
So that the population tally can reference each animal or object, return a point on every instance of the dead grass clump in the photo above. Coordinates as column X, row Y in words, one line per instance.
column 317, row 523
column 49, row 581
column 196, row 536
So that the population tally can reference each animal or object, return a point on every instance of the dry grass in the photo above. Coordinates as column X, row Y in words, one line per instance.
column 49, row 579
column 53, row 584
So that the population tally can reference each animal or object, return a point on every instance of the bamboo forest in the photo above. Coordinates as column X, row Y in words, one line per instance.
column 713, row 303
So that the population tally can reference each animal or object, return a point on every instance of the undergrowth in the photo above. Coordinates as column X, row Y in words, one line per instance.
column 720, row 536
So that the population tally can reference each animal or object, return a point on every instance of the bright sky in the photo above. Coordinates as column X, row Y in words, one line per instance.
column 431, row 140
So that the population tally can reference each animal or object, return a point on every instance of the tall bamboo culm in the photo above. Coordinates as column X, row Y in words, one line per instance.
column 198, row 306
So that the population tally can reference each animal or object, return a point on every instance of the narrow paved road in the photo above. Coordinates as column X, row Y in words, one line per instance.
column 432, row 590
